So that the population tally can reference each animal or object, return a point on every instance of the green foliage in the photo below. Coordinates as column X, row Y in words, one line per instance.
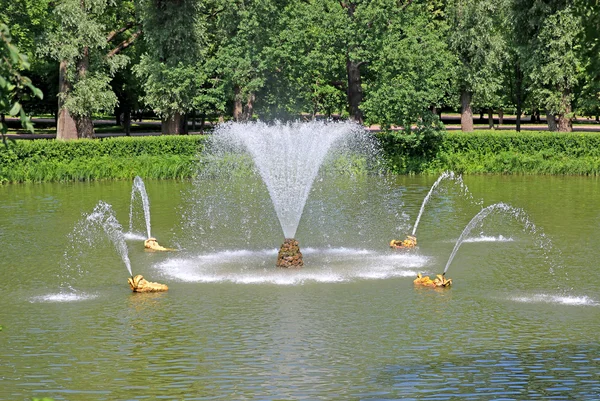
column 13, row 85
column 504, row 152
column 174, row 36
column 177, row 157
column 477, row 38
column 111, row 158
column 556, row 67
column 412, row 74
column 80, row 39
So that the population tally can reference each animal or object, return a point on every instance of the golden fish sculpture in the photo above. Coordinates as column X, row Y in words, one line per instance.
column 152, row 245
column 439, row 281
column 140, row 284
column 409, row 242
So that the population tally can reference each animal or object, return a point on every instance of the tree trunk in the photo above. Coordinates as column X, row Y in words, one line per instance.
column 249, row 107
column 500, row 117
column 565, row 123
column 127, row 121
column 551, row 122
column 118, row 116
column 202, row 121
column 355, row 93
column 84, row 124
column 173, row 125
column 65, row 124
column 85, row 127
column 238, row 109
column 491, row 118
column 466, row 114
column 519, row 94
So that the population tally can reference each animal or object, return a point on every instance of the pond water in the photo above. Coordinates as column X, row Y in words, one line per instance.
column 520, row 321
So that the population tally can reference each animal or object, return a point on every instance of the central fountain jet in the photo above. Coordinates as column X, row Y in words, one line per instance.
column 288, row 157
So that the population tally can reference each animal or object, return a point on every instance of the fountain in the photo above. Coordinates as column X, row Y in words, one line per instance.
column 518, row 214
column 447, row 175
column 103, row 216
column 411, row 240
column 139, row 190
column 287, row 156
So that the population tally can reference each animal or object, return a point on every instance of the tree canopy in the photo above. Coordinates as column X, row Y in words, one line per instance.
column 393, row 63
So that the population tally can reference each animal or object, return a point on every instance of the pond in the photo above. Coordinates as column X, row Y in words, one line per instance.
column 520, row 321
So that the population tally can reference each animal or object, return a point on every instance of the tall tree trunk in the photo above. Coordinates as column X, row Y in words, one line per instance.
column 65, row 124
column 127, row 120
column 84, row 124
column 466, row 114
column 118, row 116
column 519, row 94
column 565, row 123
column 355, row 94
column 551, row 121
column 172, row 125
column 491, row 118
column 500, row 116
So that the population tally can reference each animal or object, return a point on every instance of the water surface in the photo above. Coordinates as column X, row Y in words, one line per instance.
column 520, row 322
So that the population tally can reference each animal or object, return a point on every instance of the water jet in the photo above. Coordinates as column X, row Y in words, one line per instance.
column 287, row 157
column 500, row 207
column 411, row 239
column 138, row 190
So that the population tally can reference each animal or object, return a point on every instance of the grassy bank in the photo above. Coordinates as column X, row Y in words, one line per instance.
column 175, row 157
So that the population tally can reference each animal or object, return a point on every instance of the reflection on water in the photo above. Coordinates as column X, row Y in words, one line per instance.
column 348, row 326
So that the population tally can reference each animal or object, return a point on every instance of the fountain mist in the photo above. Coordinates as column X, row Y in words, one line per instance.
column 516, row 213
column 139, row 188
column 288, row 158
column 103, row 216
column 447, row 175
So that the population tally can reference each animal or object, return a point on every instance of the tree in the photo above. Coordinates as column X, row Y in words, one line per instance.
column 412, row 73
column 83, row 42
column 175, row 33
column 556, row 67
column 477, row 40
column 13, row 85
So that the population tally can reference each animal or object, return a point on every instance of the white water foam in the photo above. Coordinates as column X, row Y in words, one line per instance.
column 557, row 299
column 131, row 236
column 63, row 297
column 485, row 238
column 328, row 265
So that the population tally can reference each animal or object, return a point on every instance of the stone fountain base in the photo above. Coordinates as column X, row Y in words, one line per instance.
column 289, row 254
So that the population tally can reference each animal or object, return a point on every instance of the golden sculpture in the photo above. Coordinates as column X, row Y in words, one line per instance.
column 439, row 281
column 140, row 284
column 409, row 242
column 152, row 245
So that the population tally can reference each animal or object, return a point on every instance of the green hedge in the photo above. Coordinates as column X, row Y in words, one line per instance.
column 109, row 158
column 480, row 152
column 499, row 152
